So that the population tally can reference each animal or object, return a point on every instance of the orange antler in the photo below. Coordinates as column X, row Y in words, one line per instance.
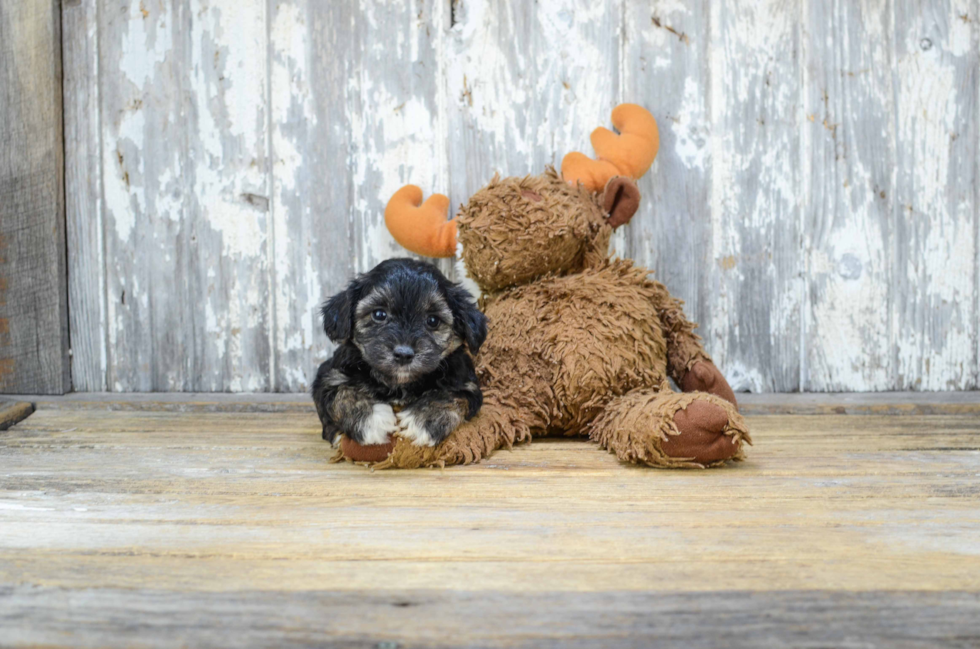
column 421, row 227
column 628, row 154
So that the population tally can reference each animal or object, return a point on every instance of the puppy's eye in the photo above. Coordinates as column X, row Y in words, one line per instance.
column 433, row 322
column 379, row 315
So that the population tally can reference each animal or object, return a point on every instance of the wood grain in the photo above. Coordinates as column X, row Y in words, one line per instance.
column 836, row 526
column 310, row 45
column 34, row 354
column 12, row 412
column 756, row 266
column 527, row 83
column 858, row 403
column 186, row 188
column 83, row 200
column 667, row 65
column 738, row 619
column 123, row 499
column 936, row 70
column 850, row 137
column 814, row 201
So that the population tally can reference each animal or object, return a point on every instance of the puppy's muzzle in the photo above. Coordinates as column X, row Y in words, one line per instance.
column 403, row 354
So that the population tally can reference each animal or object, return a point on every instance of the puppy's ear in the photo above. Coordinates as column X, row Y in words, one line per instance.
column 338, row 313
column 468, row 321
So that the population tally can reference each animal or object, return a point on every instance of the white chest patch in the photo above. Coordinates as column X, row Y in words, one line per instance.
column 381, row 422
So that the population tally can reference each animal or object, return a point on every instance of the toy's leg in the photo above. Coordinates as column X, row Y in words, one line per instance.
column 670, row 429
column 704, row 376
column 495, row 426
column 687, row 362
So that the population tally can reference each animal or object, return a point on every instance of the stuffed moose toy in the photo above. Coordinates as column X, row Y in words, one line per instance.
column 579, row 343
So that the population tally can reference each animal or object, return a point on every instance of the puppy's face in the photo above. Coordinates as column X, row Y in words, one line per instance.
column 404, row 327
column 404, row 317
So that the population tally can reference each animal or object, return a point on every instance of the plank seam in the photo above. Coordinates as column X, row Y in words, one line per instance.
column 60, row 39
column 106, row 349
column 104, row 307
column 892, row 244
column 976, row 220
column 806, row 191
column 272, row 300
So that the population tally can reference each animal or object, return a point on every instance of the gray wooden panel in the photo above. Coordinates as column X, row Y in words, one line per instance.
column 527, row 84
column 186, row 182
column 312, row 185
column 849, row 174
column 113, row 617
column 356, row 102
column 934, row 280
column 143, row 132
column 720, row 225
column 397, row 128
column 666, row 69
column 33, row 291
column 814, row 201
column 756, row 267
column 83, row 196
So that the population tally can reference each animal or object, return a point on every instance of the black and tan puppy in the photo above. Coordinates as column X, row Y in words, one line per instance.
column 403, row 365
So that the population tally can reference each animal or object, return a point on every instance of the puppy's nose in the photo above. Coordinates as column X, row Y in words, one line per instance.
column 404, row 354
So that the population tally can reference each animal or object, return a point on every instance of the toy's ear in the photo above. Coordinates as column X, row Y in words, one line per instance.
column 469, row 323
column 620, row 199
column 338, row 313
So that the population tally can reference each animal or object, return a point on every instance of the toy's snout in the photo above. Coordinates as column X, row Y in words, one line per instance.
column 620, row 199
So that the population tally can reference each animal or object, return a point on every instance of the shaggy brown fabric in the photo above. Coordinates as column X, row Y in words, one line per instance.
column 637, row 426
column 517, row 229
column 578, row 343
column 559, row 353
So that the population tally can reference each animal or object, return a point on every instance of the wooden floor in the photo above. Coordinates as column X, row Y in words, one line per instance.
column 197, row 523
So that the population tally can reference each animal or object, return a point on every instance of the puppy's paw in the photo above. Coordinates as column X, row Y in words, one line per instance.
column 376, row 427
column 429, row 425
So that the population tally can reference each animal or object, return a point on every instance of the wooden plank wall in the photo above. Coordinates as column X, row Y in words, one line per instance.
column 814, row 201
column 33, row 289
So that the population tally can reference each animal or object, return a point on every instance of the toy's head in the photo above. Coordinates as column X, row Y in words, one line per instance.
column 517, row 229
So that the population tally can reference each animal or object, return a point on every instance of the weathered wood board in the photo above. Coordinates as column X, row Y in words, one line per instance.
column 33, row 286
column 424, row 619
column 214, row 528
column 815, row 200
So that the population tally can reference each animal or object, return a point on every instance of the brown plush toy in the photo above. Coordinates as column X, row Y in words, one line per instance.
column 579, row 343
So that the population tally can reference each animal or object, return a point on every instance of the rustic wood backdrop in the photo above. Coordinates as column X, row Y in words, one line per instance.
column 814, row 201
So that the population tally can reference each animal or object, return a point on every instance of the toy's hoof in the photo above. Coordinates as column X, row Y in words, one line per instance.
column 366, row 452
column 702, row 425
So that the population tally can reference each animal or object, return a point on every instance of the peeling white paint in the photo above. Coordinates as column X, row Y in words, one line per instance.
column 690, row 128
column 146, row 43
column 934, row 339
column 121, row 203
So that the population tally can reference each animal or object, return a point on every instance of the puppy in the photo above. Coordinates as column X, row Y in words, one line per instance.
column 403, row 364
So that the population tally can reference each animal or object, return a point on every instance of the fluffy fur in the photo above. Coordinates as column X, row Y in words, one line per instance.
column 405, row 337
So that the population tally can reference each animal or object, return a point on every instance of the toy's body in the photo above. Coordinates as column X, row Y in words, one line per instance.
column 578, row 343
